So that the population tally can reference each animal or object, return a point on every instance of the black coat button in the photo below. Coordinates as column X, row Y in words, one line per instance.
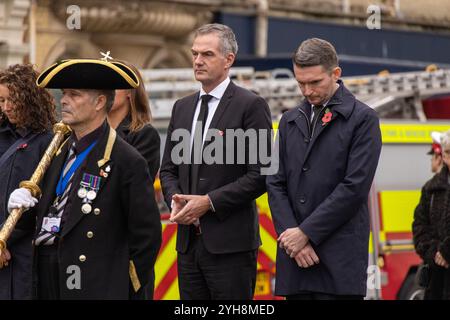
column 306, row 140
column 302, row 200
column 304, row 169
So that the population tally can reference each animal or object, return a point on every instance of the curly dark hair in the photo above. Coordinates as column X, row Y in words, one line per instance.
column 35, row 107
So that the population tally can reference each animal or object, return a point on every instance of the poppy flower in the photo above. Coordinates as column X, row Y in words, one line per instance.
column 326, row 118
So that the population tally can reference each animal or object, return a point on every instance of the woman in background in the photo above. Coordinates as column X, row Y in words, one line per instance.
column 130, row 115
column 431, row 228
column 26, row 120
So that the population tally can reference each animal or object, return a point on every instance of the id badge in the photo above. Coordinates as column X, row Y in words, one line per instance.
column 51, row 224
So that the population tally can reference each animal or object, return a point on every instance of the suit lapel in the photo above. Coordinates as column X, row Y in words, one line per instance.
column 224, row 102
column 189, row 111
column 186, row 123
column 187, row 117
column 221, row 108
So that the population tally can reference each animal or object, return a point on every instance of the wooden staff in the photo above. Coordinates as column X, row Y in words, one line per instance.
column 60, row 130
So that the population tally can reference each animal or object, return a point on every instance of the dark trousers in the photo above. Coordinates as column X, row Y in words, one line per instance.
column 322, row 296
column 145, row 293
column 439, row 285
column 48, row 273
column 150, row 287
column 205, row 276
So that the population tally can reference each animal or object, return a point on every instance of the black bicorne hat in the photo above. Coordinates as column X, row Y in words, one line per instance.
column 88, row 74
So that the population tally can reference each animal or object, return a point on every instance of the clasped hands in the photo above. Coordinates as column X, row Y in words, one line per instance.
column 296, row 244
column 440, row 261
column 186, row 208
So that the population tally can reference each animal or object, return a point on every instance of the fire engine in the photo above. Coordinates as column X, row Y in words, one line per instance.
column 410, row 105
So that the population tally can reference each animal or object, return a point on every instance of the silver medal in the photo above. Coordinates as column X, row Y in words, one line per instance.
column 82, row 193
column 91, row 195
column 86, row 208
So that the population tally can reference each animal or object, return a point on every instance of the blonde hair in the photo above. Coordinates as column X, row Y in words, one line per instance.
column 139, row 105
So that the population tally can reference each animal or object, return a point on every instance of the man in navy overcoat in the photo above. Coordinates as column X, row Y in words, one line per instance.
column 328, row 148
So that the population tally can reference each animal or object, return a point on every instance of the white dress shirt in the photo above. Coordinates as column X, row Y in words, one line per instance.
column 217, row 94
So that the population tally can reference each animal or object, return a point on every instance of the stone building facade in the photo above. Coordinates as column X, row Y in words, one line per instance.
column 157, row 34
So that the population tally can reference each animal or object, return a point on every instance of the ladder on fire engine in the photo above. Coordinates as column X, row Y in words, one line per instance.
column 399, row 94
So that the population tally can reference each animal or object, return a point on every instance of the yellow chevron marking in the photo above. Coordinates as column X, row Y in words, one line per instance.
column 263, row 205
column 172, row 293
column 165, row 260
column 269, row 245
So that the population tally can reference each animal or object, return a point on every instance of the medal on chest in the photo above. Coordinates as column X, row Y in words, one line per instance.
column 88, row 190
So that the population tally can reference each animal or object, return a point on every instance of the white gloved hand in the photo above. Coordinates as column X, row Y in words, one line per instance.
column 21, row 198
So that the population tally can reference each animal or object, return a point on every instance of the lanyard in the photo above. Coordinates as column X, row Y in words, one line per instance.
column 64, row 179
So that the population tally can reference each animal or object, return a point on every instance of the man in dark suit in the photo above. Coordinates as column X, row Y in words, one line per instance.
column 328, row 153
column 99, row 228
column 213, row 201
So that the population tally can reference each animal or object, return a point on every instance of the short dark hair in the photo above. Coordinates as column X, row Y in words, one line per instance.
column 316, row 52
column 109, row 94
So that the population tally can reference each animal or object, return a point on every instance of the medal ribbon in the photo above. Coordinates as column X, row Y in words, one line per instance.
column 64, row 179
column 91, row 182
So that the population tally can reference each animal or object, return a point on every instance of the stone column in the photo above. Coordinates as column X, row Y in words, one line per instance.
column 12, row 27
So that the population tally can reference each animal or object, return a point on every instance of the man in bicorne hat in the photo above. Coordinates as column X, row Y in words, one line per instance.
column 98, row 229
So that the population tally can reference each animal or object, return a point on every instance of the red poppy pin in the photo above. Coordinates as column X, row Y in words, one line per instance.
column 22, row 146
column 326, row 117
